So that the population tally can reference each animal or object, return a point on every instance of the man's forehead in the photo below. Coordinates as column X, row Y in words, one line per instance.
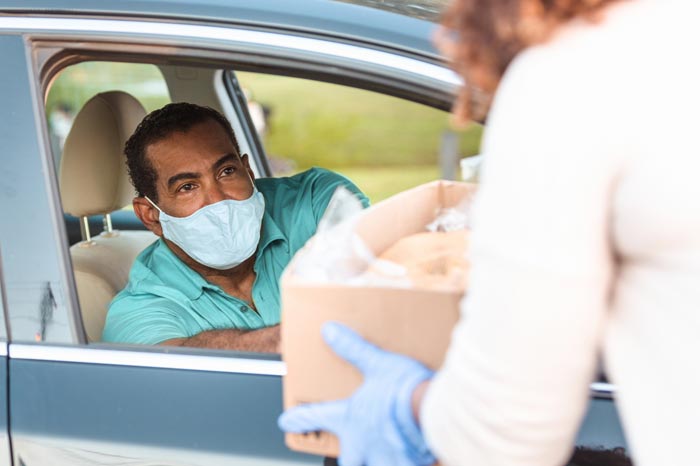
column 201, row 142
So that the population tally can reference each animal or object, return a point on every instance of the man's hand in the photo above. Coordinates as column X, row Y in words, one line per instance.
column 264, row 340
column 376, row 425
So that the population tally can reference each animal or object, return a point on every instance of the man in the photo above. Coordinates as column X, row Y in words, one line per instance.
column 211, row 279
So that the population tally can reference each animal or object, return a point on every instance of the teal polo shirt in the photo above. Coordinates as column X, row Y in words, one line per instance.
column 166, row 299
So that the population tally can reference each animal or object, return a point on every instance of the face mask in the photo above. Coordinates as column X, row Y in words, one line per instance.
column 221, row 235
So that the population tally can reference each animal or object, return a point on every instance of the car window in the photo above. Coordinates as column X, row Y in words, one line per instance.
column 383, row 143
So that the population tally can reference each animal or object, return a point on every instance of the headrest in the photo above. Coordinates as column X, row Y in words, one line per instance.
column 93, row 177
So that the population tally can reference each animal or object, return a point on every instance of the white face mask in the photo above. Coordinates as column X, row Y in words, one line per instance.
column 221, row 235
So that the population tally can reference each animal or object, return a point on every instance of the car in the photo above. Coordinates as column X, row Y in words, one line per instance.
column 69, row 399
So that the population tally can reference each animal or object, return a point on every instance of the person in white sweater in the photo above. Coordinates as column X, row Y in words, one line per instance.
column 585, row 249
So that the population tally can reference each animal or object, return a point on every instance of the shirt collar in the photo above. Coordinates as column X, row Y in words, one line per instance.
column 270, row 233
column 175, row 273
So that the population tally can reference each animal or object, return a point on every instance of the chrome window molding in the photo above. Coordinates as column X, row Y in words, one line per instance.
column 229, row 111
column 229, row 35
column 86, row 355
column 3, row 349
column 4, row 327
column 237, row 365
column 602, row 390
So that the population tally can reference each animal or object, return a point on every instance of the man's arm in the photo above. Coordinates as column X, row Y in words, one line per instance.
column 264, row 340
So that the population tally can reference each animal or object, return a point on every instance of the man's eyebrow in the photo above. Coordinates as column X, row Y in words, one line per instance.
column 182, row 176
column 224, row 160
column 189, row 175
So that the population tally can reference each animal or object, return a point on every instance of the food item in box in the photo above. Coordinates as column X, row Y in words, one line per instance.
column 430, row 260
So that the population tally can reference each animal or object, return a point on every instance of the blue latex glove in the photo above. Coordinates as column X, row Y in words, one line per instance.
column 376, row 424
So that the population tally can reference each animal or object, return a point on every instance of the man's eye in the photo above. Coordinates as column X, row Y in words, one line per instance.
column 186, row 187
column 228, row 171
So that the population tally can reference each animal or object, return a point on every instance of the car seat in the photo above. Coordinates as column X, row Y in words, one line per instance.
column 93, row 180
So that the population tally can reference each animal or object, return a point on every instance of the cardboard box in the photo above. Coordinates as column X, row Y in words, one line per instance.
column 410, row 321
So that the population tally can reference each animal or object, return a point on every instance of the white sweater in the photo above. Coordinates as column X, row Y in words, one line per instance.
column 586, row 244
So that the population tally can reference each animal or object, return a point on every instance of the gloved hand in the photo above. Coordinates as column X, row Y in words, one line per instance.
column 376, row 424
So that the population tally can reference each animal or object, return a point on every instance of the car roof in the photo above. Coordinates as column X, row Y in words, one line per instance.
column 321, row 17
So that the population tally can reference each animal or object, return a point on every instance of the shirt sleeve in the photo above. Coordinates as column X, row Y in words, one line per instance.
column 325, row 183
column 144, row 319
column 514, row 386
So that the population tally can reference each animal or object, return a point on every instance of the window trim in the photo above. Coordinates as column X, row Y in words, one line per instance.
column 233, row 93
column 233, row 35
column 381, row 67
column 602, row 390
column 4, row 323
column 158, row 357
column 75, row 319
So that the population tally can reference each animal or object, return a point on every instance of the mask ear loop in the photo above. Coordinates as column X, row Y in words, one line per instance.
column 153, row 204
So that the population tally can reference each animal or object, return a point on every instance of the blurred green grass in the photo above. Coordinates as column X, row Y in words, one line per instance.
column 321, row 124
column 378, row 183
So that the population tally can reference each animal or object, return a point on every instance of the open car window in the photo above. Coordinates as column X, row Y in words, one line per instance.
column 382, row 143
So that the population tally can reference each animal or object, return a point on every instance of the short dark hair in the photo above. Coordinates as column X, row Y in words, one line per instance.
column 156, row 126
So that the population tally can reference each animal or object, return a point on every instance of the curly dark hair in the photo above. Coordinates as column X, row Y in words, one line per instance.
column 481, row 38
column 157, row 125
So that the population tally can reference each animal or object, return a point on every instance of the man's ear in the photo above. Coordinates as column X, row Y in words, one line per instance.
column 246, row 164
column 148, row 215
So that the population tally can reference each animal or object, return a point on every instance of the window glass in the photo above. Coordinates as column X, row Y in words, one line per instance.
column 76, row 84
column 384, row 144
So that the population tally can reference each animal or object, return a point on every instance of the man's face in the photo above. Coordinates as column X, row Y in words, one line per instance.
column 194, row 169
column 198, row 168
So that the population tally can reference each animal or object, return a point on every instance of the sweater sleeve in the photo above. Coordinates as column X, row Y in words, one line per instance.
column 514, row 386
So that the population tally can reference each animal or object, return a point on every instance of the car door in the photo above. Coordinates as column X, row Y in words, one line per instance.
column 77, row 403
